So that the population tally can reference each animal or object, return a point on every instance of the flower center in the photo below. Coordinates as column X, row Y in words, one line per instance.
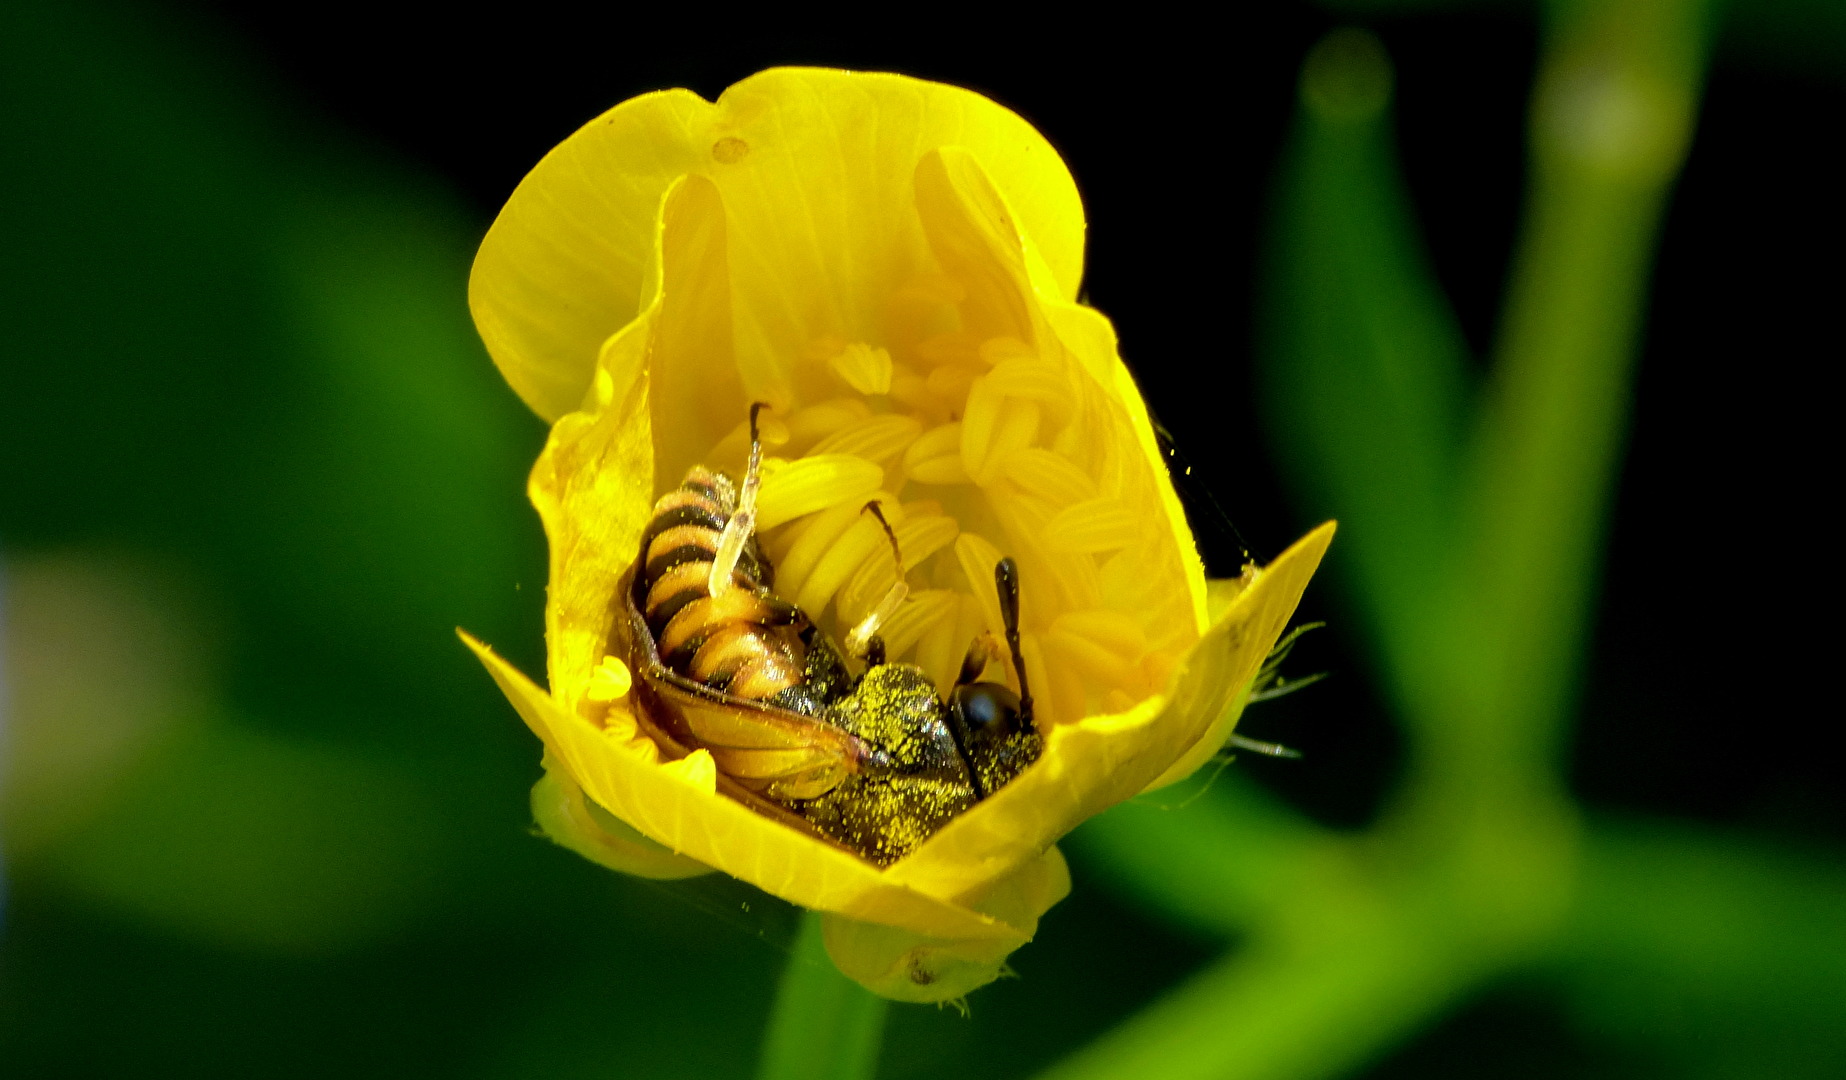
column 976, row 448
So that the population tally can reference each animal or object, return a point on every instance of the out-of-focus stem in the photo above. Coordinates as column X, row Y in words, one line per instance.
column 823, row 1025
column 1474, row 869
column 1611, row 120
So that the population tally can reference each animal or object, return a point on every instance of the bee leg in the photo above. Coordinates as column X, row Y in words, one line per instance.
column 980, row 651
column 875, row 651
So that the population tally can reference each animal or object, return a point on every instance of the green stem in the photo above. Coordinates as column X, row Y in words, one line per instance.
column 1611, row 121
column 823, row 1025
column 1351, row 943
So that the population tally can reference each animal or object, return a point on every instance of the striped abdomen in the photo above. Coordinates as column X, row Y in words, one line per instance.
column 740, row 643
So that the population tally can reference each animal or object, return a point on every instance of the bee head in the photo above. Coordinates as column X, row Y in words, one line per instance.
column 987, row 712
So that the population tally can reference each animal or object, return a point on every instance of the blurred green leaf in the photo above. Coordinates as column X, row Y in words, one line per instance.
column 1213, row 861
column 258, row 842
column 1722, row 954
column 1363, row 362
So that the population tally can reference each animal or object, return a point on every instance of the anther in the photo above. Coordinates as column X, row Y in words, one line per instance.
column 742, row 526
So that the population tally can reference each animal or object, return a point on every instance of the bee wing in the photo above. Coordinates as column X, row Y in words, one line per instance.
column 777, row 752
column 774, row 752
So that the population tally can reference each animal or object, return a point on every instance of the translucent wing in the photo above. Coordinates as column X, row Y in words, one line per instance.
column 766, row 750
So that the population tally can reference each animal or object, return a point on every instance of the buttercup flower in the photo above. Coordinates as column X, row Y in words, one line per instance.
column 891, row 267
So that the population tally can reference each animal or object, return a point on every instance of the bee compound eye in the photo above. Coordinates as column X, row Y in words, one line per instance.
column 987, row 710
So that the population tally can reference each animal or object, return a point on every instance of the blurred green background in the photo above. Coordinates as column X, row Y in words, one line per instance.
column 1552, row 356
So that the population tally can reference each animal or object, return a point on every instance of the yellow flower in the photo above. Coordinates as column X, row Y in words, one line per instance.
column 891, row 265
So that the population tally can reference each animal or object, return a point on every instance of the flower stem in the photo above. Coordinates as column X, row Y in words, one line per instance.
column 823, row 1025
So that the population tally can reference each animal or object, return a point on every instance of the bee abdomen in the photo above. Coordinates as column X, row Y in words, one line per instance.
column 669, row 594
column 683, row 507
column 679, row 544
column 686, row 632
column 732, row 643
column 746, row 661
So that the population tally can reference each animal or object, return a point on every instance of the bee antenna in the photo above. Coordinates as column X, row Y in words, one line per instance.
column 742, row 526
column 859, row 639
column 897, row 554
column 1006, row 583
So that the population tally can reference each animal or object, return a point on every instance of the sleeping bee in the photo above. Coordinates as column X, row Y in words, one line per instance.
column 875, row 762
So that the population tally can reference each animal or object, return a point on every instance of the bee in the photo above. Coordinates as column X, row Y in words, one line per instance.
column 874, row 762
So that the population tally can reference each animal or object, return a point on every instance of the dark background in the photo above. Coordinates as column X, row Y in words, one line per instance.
column 1698, row 705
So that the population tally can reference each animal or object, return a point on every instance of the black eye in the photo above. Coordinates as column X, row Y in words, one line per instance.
column 987, row 710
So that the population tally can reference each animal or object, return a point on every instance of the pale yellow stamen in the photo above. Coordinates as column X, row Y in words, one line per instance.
column 1091, row 526
column 925, row 610
column 924, row 532
column 1049, row 475
column 950, row 382
column 944, row 644
column 877, row 439
column 1116, row 631
column 735, row 446
column 860, row 636
column 1096, row 660
column 935, row 458
column 908, row 388
column 978, row 556
column 808, row 426
column 834, row 566
column 1024, row 427
column 993, row 428
column 864, row 368
column 820, row 537
column 811, row 484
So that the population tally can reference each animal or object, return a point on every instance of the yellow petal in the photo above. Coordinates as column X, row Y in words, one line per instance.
column 565, row 264
column 719, row 832
column 593, row 487
column 973, row 228
column 1097, row 762
column 906, row 966
column 696, row 392
column 572, row 822
column 1279, row 582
